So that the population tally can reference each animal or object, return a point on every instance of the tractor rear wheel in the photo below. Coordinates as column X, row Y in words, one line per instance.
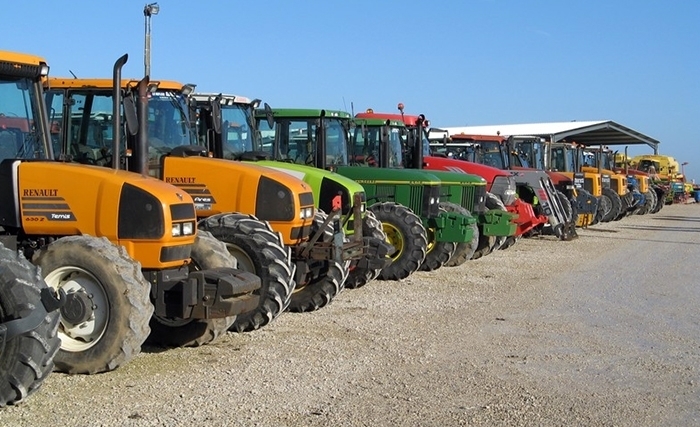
column 104, row 320
column 405, row 232
column 372, row 228
column 321, row 289
column 495, row 202
column 615, row 205
column 649, row 203
column 660, row 199
column 207, row 253
column 27, row 359
column 437, row 253
column 259, row 250
column 465, row 250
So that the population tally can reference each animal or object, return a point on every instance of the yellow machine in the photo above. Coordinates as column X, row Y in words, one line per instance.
column 568, row 159
column 121, row 247
column 598, row 160
column 266, row 218
column 666, row 167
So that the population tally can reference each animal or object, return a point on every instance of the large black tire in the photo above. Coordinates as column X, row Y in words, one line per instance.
column 404, row 230
column 207, row 253
column 660, row 199
column 495, row 202
column 105, row 318
column 322, row 288
column 259, row 250
column 372, row 228
column 27, row 359
column 464, row 250
column 649, row 203
column 437, row 253
column 615, row 205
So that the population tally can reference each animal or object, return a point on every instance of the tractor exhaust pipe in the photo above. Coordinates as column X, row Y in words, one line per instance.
column 116, row 108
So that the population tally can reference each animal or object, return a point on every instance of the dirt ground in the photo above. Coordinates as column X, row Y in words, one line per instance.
column 602, row 330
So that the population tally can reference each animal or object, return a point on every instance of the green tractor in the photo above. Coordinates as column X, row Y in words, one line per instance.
column 227, row 126
column 424, row 235
column 409, row 148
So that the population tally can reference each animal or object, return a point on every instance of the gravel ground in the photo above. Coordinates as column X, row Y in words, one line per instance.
column 602, row 330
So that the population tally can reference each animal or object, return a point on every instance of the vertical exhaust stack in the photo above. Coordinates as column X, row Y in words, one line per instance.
column 116, row 113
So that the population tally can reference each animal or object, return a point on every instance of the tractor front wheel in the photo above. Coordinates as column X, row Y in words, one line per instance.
column 372, row 228
column 104, row 320
column 259, row 250
column 327, row 282
column 405, row 232
column 465, row 250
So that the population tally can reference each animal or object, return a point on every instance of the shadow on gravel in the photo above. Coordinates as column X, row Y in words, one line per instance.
column 676, row 218
column 672, row 242
column 683, row 229
column 601, row 230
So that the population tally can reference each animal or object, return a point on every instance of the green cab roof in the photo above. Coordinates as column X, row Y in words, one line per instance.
column 304, row 112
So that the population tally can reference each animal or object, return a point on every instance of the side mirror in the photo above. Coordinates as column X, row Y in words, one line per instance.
column 269, row 116
column 216, row 115
column 130, row 115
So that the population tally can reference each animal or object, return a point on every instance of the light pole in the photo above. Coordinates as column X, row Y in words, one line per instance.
column 148, row 11
column 683, row 169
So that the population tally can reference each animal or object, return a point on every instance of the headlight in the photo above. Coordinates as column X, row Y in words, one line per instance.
column 432, row 200
column 363, row 208
column 306, row 213
column 504, row 187
column 188, row 228
column 177, row 230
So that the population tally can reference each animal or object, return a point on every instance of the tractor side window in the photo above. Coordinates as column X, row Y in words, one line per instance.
column 236, row 133
column 19, row 137
column 299, row 142
column 336, row 143
column 90, row 128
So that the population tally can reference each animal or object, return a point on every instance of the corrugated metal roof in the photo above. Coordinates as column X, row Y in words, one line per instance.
column 601, row 132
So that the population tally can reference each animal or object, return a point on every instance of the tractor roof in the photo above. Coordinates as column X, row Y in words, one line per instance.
column 62, row 82
column 304, row 112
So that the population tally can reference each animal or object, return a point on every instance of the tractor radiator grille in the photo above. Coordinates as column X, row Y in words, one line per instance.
column 416, row 199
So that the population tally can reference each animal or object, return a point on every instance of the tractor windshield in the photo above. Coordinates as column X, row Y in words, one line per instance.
column 530, row 154
column 20, row 123
column 564, row 159
column 366, row 141
column 336, row 142
column 89, row 130
column 489, row 153
column 237, row 130
column 645, row 165
column 168, row 121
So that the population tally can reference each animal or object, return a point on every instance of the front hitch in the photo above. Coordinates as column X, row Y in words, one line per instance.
column 204, row 294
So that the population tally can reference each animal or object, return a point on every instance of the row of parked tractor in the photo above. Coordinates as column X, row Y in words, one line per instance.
column 143, row 212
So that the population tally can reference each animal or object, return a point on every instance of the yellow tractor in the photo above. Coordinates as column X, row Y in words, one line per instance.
column 122, row 247
column 567, row 158
column 265, row 217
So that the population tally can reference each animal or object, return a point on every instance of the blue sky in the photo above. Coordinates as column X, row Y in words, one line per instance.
column 468, row 62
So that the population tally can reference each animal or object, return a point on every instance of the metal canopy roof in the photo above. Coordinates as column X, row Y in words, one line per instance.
column 603, row 132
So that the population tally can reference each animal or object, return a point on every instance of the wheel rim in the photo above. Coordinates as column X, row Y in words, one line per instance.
column 245, row 262
column 395, row 238
column 605, row 205
column 432, row 242
column 80, row 332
